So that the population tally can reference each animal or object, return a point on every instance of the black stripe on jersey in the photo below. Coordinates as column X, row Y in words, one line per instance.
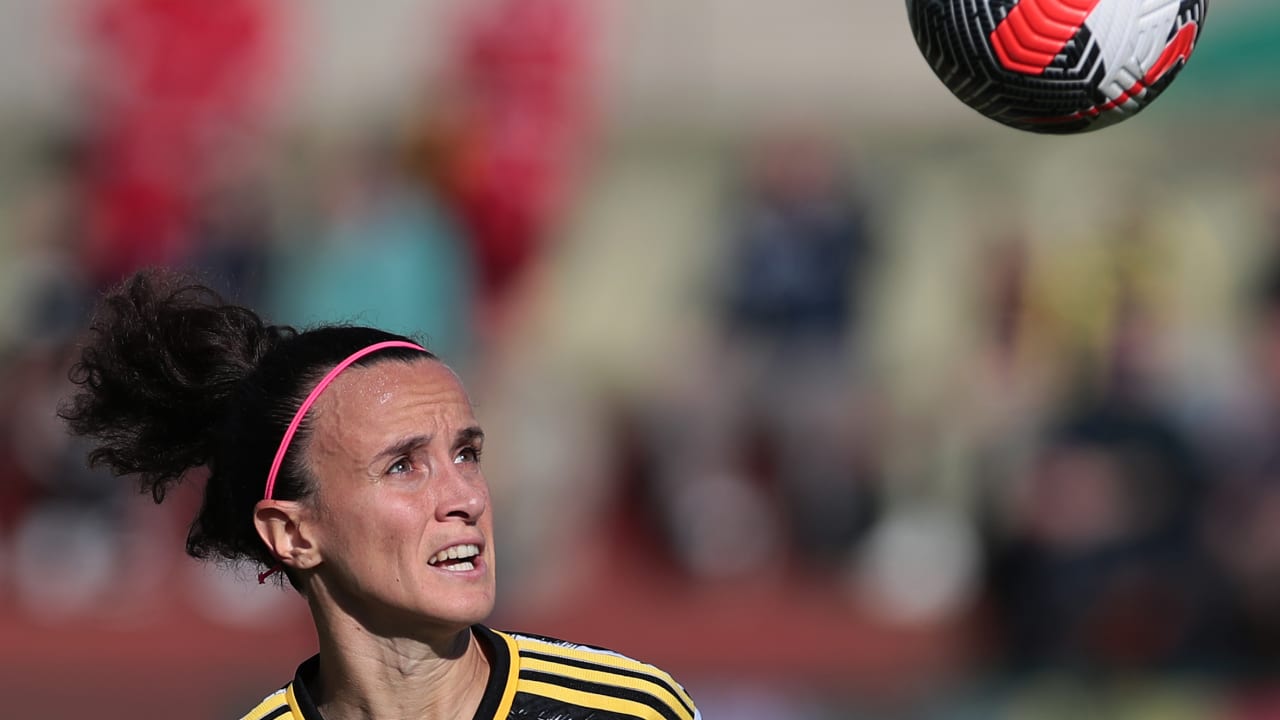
column 656, row 679
column 622, row 693
column 533, row 705
column 277, row 712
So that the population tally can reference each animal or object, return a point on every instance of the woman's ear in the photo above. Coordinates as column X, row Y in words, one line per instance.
column 280, row 524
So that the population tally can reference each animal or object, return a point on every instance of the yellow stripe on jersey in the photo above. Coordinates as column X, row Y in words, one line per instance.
column 591, row 700
column 599, row 657
column 604, row 677
column 269, row 704
column 293, row 703
column 513, row 676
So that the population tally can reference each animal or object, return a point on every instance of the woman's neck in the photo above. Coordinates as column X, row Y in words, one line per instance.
column 365, row 676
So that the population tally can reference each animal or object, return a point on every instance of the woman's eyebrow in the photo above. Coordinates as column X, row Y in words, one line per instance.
column 469, row 436
column 403, row 446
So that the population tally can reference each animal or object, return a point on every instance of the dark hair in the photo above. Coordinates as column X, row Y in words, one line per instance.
column 173, row 378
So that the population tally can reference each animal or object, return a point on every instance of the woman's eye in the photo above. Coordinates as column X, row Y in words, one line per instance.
column 400, row 466
column 467, row 455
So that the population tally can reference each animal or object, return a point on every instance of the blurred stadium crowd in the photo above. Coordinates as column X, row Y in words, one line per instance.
column 1030, row 421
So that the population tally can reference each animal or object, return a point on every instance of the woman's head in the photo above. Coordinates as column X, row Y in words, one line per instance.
column 398, row 527
column 173, row 379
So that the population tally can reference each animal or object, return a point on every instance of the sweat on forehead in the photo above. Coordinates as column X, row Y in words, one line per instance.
column 381, row 383
column 355, row 435
column 371, row 406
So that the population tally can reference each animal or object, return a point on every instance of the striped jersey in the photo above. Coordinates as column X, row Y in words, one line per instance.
column 534, row 677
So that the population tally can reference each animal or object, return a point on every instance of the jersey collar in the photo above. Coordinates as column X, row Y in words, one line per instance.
column 499, row 691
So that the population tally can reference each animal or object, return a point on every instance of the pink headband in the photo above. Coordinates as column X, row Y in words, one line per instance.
column 302, row 411
column 311, row 399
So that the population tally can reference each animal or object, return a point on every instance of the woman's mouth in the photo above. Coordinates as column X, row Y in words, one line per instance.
column 458, row 558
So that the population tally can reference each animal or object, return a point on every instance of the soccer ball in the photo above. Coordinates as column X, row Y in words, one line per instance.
column 1057, row 66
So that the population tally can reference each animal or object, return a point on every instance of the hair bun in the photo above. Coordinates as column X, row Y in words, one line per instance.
column 163, row 359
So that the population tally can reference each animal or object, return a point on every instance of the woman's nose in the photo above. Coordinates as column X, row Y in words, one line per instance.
column 464, row 494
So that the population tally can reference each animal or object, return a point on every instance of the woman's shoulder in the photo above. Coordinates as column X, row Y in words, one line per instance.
column 534, row 643
column 595, row 676
column 273, row 707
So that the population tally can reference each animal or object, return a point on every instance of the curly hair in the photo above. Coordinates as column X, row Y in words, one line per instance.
column 173, row 378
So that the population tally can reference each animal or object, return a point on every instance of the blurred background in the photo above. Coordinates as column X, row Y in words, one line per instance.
column 801, row 379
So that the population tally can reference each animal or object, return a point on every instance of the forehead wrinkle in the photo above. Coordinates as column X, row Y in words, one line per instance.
column 405, row 445
column 364, row 393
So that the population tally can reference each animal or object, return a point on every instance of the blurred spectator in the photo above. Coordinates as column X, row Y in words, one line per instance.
column 174, row 93
column 382, row 252
column 1096, row 564
column 761, row 450
column 1100, row 569
column 509, row 131
column 234, row 233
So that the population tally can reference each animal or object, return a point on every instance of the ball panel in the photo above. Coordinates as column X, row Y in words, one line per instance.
column 1033, row 33
column 1056, row 66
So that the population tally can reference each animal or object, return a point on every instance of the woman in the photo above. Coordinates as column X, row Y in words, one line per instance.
column 347, row 459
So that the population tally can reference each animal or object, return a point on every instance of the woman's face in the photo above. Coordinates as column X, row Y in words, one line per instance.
column 401, row 514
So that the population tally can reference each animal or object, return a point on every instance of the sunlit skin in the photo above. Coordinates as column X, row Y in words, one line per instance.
column 394, row 450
